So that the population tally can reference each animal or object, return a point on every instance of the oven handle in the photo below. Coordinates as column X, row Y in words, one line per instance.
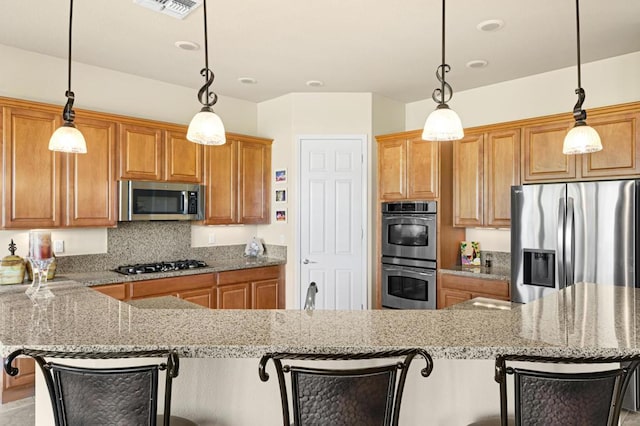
column 429, row 217
column 426, row 274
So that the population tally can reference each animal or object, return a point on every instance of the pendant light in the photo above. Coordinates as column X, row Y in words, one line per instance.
column 206, row 127
column 443, row 124
column 68, row 138
column 582, row 139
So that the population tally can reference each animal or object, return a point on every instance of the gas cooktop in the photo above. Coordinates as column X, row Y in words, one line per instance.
column 146, row 268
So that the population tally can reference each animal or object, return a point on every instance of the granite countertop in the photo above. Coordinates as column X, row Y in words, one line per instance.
column 163, row 302
column 586, row 319
column 493, row 273
column 92, row 278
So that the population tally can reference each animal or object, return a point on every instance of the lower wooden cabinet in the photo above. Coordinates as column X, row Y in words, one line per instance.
column 22, row 385
column 254, row 288
column 453, row 289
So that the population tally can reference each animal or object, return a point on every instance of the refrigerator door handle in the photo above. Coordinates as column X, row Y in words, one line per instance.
column 569, row 244
column 560, row 241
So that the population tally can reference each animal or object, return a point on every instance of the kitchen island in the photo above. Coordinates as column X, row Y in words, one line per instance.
column 585, row 319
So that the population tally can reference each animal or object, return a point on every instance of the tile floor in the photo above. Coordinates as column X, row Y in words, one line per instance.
column 21, row 413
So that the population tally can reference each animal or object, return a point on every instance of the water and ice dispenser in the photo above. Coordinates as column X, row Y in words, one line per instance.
column 539, row 267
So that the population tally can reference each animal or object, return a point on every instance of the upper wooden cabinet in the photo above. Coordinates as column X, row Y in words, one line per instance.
column 182, row 158
column 32, row 175
column 485, row 166
column 90, row 193
column 408, row 167
column 238, row 181
column 141, row 152
column 543, row 160
column 158, row 153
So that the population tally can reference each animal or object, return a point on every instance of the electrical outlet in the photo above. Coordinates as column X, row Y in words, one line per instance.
column 212, row 238
column 58, row 246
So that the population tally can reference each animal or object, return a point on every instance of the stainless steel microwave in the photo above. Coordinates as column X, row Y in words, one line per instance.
column 160, row 201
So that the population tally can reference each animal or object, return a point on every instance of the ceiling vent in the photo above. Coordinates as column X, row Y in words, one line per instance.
column 176, row 8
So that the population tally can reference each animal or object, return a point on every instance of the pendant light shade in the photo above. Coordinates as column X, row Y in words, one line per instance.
column 206, row 127
column 582, row 139
column 68, row 138
column 443, row 124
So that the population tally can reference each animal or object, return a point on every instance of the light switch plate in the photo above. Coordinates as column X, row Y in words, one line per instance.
column 58, row 246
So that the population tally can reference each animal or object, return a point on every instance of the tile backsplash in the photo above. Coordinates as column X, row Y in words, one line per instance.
column 144, row 242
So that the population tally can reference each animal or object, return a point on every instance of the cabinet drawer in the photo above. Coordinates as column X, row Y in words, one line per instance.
column 248, row 275
column 170, row 285
column 498, row 288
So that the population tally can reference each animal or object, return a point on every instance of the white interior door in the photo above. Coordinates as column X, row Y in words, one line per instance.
column 332, row 221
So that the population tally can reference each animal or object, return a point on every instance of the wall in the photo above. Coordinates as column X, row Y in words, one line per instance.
column 32, row 76
column 606, row 82
column 284, row 119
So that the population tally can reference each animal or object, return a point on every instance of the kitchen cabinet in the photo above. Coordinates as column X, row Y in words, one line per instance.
column 182, row 158
column 46, row 189
column 22, row 385
column 117, row 291
column 141, row 152
column 255, row 288
column 543, row 161
column 194, row 287
column 238, row 181
column 486, row 165
column 452, row 289
column 90, row 194
column 32, row 175
column 408, row 167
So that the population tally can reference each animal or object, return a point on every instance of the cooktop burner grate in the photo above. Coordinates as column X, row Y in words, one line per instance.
column 147, row 268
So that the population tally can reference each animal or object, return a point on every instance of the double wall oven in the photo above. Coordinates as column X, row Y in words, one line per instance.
column 409, row 255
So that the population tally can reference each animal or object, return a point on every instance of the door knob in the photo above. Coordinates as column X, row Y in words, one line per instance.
column 307, row 261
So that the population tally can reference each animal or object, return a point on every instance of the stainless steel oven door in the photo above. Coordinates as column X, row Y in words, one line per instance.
column 409, row 236
column 405, row 287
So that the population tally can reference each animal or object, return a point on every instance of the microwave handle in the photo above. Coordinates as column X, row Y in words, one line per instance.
column 185, row 207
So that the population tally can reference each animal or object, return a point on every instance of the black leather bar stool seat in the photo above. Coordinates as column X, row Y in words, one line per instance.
column 104, row 396
column 356, row 396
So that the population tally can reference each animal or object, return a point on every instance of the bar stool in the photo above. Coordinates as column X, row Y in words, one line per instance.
column 104, row 396
column 552, row 398
column 355, row 396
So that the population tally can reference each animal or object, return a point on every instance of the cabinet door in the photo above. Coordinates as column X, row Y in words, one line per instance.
column 90, row 196
column 468, row 181
column 117, row 291
column 201, row 297
column 183, row 158
column 502, row 170
column 452, row 297
column 422, row 169
column 620, row 156
column 32, row 174
column 264, row 294
column 140, row 152
column 221, row 183
column 234, row 296
column 542, row 157
column 254, row 182
column 392, row 169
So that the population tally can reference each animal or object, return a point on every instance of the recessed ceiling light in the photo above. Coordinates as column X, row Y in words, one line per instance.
column 490, row 25
column 247, row 80
column 315, row 83
column 187, row 45
column 477, row 63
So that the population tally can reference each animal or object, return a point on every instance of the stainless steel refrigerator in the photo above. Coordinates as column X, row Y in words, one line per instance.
column 574, row 232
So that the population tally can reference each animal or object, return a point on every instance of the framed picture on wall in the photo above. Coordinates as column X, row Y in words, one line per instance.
column 281, row 195
column 281, row 175
column 281, row 215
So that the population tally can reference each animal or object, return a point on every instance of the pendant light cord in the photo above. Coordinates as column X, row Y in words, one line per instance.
column 206, row 98
column 68, row 115
column 443, row 61
column 69, row 56
column 579, row 114
column 578, row 40
column 440, row 94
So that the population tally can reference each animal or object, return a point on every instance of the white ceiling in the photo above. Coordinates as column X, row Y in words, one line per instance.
column 383, row 46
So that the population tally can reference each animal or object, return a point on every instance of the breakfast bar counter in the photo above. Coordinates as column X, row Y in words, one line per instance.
column 586, row 319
